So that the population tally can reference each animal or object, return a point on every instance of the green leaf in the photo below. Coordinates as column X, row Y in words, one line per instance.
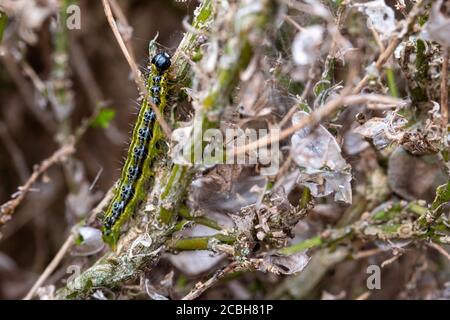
column 104, row 118
column 391, row 82
column 3, row 21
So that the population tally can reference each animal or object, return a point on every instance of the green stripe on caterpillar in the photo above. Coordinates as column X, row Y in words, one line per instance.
column 131, row 188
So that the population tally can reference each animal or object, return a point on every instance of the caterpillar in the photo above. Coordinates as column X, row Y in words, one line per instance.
column 131, row 187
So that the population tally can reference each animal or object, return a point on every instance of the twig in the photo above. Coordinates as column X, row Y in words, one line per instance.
column 378, row 39
column 367, row 253
column 134, row 68
column 121, row 17
column 444, row 92
column 51, row 267
column 202, row 287
column 391, row 260
column 100, row 207
column 318, row 115
column 8, row 208
column 439, row 249
column 294, row 23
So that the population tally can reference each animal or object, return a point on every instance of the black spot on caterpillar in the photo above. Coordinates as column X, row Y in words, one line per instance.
column 130, row 190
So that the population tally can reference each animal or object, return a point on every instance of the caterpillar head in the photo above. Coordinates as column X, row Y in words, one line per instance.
column 161, row 61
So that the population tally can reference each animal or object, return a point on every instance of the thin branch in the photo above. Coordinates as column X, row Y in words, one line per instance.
column 51, row 267
column 318, row 115
column 367, row 253
column 378, row 39
column 8, row 208
column 439, row 249
column 294, row 23
column 294, row 108
column 202, row 287
column 444, row 92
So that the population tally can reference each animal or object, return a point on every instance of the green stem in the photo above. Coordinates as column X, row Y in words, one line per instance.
column 199, row 243
column 391, row 82
column 306, row 244
column 184, row 213
column 305, row 199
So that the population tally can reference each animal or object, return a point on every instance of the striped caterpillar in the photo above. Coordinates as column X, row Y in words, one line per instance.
column 131, row 188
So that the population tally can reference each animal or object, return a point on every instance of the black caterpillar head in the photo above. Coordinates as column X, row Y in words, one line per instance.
column 161, row 61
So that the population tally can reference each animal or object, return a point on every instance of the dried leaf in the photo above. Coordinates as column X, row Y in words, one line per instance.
column 284, row 264
column 354, row 143
column 414, row 177
column 329, row 296
column 437, row 27
column 323, row 169
column 228, row 189
column 90, row 241
column 244, row 221
column 306, row 44
column 152, row 292
column 195, row 262
column 381, row 17
column 383, row 131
